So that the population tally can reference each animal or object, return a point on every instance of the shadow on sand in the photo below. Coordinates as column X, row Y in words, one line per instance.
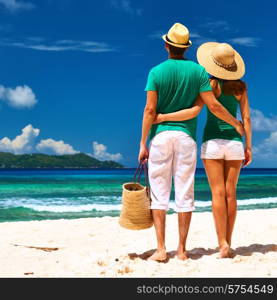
column 249, row 250
column 197, row 253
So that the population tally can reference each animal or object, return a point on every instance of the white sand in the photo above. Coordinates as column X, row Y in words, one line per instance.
column 99, row 247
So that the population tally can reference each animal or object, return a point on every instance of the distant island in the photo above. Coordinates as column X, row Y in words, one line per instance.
column 38, row 160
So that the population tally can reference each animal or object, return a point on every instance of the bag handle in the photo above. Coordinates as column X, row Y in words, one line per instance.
column 137, row 177
column 138, row 173
column 143, row 166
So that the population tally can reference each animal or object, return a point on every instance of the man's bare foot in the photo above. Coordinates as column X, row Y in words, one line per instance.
column 224, row 251
column 158, row 255
column 182, row 255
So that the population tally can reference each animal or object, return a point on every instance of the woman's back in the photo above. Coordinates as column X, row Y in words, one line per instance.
column 216, row 128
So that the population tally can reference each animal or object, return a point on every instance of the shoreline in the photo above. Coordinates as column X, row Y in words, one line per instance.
column 116, row 213
column 100, row 247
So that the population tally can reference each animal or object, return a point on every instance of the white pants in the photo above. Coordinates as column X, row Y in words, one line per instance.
column 222, row 149
column 172, row 154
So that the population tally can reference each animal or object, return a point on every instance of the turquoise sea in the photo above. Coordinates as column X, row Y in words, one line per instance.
column 55, row 194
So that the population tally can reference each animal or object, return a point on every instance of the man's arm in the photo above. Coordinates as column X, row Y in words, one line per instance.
column 220, row 111
column 182, row 115
column 148, row 118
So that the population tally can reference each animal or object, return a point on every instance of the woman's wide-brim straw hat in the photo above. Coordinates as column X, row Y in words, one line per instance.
column 221, row 60
column 178, row 36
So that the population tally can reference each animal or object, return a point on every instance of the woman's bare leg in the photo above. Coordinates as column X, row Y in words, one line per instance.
column 215, row 173
column 231, row 171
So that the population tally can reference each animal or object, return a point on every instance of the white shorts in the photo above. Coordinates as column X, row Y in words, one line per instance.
column 172, row 154
column 222, row 149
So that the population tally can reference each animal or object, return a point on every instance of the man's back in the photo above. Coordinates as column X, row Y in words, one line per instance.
column 178, row 83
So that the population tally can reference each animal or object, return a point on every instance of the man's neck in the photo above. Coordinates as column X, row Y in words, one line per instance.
column 176, row 56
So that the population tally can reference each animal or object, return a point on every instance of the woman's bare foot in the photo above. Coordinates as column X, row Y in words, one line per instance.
column 182, row 255
column 158, row 255
column 232, row 253
column 224, row 251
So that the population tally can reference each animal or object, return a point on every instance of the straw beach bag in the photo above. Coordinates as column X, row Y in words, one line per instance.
column 135, row 213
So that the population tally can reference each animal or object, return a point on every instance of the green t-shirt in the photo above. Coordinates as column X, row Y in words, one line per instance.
column 178, row 83
column 218, row 129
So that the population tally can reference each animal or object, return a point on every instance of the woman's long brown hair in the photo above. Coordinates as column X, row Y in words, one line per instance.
column 233, row 87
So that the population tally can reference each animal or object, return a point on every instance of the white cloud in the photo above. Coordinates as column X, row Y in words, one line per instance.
column 194, row 35
column 220, row 25
column 50, row 146
column 245, row 41
column 100, row 152
column 267, row 149
column 125, row 5
column 19, row 97
column 15, row 5
column 198, row 39
column 201, row 40
column 26, row 143
column 39, row 43
column 271, row 142
column 23, row 143
column 262, row 123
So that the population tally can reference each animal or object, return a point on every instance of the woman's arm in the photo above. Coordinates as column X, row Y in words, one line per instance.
column 181, row 115
column 245, row 114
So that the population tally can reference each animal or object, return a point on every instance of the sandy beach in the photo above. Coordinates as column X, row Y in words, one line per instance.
column 99, row 247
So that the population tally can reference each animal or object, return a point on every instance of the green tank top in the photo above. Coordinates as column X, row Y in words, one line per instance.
column 218, row 129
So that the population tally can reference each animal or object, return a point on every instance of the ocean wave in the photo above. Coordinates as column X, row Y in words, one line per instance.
column 64, row 208
column 243, row 202
column 57, row 201
column 73, row 208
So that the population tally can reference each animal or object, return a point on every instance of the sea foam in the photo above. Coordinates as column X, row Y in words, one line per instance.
column 62, row 208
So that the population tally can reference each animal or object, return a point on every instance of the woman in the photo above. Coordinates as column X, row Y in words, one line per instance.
column 222, row 147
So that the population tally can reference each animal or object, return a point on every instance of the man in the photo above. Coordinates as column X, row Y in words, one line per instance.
column 174, row 85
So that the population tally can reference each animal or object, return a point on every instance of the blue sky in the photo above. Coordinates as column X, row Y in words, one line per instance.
column 73, row 73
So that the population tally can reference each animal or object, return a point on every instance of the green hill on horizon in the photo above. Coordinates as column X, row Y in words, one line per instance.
column 39, row 160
